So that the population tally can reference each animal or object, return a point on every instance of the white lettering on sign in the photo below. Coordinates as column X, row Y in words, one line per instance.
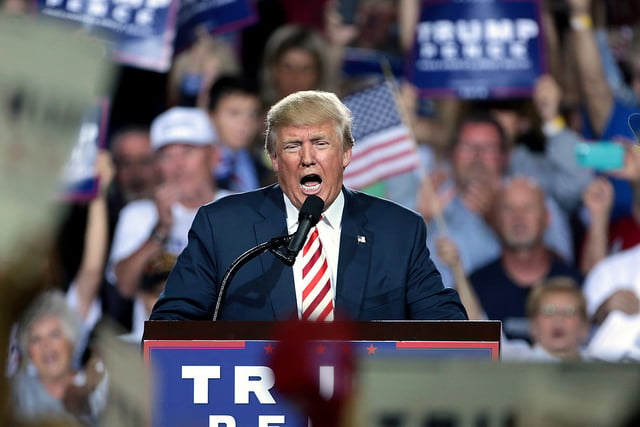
column 476, row 39
column 201, row 376
column 263, row 421
column 222, row 420
column 271, row 420
column 254, row 379
column 327, row 381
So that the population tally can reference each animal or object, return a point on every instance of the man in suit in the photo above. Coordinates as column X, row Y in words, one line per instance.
column 378, row 264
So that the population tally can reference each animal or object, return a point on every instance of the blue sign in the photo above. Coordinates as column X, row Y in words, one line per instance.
column 477, row 49
column 147, row 33
column 140, row 32
column 79, row 180
column 230, row 383
column 212, row 16
column 370, row 62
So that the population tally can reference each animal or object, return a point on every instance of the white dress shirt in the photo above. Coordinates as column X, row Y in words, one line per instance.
column 329, row 228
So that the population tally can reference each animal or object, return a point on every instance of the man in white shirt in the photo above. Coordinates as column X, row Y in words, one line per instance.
column 183, row 140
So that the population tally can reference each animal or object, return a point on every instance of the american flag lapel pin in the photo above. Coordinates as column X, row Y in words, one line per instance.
column 362, row 240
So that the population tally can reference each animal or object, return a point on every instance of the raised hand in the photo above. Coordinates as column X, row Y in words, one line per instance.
column 433, row 197
column 598, row 198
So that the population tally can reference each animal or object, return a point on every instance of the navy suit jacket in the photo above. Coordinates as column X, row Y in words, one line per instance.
column 384, row 273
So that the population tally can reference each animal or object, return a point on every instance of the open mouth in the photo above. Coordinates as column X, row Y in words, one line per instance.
column 310, row 184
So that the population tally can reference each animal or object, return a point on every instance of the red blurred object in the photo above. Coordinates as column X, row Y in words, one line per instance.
column 303, row 348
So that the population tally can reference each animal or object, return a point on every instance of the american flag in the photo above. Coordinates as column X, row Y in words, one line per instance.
column 384, row 146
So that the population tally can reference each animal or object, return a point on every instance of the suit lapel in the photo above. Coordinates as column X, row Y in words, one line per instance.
column 355, row 256
column 283, row 297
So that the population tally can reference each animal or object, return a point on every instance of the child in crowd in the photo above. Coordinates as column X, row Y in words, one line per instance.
column 234, row 109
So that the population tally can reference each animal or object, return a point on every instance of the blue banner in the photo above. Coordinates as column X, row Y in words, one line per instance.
column 140, row 32
column 370, row 62
column 230, row 383
column 475, row 49
column 212, row 16
column 147, row 33
column 79, row 180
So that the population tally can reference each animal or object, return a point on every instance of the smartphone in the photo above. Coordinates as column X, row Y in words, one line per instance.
column 600, row 156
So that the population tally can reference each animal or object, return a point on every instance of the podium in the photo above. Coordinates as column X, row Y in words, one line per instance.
column 218, row 373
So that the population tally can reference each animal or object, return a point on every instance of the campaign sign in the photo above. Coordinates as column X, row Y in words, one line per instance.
column 141, row 32
column 363, row 62
column 79, row 180
column 230, row 383
column 475, row 49
column 212, row 16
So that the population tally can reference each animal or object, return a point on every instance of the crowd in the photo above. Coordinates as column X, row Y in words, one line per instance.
column 523, row 231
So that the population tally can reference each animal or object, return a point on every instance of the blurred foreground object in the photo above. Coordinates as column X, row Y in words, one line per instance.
column 47, row 80
column 128, row 404
column 296, row 364
column 414, row 393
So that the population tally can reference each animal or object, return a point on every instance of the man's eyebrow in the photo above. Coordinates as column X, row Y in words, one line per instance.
column 316, row 137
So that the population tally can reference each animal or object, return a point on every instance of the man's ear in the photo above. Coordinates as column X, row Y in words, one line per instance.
column 346, row 158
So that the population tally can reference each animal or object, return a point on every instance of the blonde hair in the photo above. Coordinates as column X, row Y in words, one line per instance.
column 556, row 285
column 310, row 107
column 49, row 303
column 285, row 38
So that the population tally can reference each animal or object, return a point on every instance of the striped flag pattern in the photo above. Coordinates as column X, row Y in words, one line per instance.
column 384, row 146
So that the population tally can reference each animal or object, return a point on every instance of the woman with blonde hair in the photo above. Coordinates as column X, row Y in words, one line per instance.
column 295, row 58
column 50, row 385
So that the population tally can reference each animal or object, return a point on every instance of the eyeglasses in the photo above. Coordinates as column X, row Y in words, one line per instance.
column 551, row 310
column 474, row 148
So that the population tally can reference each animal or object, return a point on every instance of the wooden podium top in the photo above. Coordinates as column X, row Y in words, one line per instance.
column 411, row 330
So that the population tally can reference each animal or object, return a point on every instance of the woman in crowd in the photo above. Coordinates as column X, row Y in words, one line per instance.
column 50, row 383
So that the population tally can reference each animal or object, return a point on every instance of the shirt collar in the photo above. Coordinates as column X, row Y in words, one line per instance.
column 332, row 216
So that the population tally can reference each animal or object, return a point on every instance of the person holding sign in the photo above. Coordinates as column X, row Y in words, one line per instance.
column 374, row 261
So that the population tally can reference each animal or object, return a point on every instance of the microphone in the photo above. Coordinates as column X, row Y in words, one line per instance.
column 308, row 217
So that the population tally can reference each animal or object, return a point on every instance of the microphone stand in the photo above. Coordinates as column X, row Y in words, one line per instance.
column 272, row 245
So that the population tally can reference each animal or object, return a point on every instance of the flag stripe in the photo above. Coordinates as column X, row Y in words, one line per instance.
column 385, row 165
column 367, row 144
column 384, row 146
column 405, row 148
column 365, row 180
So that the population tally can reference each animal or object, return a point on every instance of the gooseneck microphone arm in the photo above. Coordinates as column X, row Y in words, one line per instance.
column 272, row 245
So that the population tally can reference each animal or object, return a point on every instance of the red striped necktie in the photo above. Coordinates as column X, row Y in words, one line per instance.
column 317, row 299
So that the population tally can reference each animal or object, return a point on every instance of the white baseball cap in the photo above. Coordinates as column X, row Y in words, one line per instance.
column 182, row 125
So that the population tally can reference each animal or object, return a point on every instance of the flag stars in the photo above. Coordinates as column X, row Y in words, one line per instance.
column 371, row 349
column 268, row 349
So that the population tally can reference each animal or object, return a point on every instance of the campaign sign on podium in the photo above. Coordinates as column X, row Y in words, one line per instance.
column 219, row 373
